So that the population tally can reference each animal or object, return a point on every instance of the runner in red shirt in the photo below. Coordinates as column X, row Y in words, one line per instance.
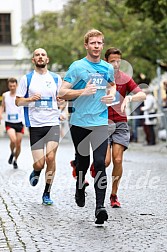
column 119, row 134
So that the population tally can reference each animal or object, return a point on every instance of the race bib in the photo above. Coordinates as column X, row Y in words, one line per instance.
column 98, row 80
column 12, row 117
column 44, row 103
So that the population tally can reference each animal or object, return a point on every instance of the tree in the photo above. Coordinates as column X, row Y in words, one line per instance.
column 141, row 40
column 45, row 31
column 155, row 10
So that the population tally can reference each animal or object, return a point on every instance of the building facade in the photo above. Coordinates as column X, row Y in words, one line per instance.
column 14, row 57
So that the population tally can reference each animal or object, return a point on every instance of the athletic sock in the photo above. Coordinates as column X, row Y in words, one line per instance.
column 47, row 189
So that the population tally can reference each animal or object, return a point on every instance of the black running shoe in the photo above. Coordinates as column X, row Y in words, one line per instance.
column 15, row 166
column 11, row 158
column 101, row 215
column 80, row 197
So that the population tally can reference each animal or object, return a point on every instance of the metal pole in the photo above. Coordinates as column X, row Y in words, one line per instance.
column 165, row 117
column 33, row 8
column 159, row 90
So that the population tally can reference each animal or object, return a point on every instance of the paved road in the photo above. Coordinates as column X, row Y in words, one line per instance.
column 140, row 225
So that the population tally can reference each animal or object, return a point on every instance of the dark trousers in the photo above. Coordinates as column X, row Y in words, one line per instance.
column 150, row 134
column 97, row 137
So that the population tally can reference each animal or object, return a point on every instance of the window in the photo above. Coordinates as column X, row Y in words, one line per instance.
column 3, row 87
column 5, row 29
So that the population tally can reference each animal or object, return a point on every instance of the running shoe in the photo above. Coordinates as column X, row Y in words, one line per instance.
column 34, row 178
column 74, row 172
column 101, row 215
column 11, row 158
column 92, row 171
column 114, row 201
column 80, row 196
column 74, row 168
column 15, row 166
column 46, row 200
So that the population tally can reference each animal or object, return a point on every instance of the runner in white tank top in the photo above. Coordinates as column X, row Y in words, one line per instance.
column 13, row 114
column 13, row 121
column 37, row 92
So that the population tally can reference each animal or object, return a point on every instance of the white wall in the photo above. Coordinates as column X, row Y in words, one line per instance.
column 21, row 11
column 13, row 7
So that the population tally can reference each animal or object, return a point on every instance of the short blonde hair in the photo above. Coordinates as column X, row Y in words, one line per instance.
column 92, row 33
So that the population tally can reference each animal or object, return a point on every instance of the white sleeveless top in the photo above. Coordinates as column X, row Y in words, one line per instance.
column 43, row 112
column 13, row 113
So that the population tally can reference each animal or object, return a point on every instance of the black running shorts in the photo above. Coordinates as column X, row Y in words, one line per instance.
column 18, row 127
column 39, row 136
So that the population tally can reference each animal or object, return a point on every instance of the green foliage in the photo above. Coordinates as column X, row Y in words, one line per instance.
column 155, row 34
column 154, row 9
column 126, row 24
column 45, row 31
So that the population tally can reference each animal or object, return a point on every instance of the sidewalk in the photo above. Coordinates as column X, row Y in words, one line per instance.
column 140, row 225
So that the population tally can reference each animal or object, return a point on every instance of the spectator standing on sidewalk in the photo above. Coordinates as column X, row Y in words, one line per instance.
column 149, row 108
column 13, row 121
column 37, row 92
column 165, row 98
column 85, row 83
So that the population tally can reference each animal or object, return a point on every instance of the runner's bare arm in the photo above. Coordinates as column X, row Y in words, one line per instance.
column 110, row 94
column 140, row 96
column 67, row 93
column 22, row 101
column 2, row 107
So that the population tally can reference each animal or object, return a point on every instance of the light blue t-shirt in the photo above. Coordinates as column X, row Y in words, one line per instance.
column 89, row 110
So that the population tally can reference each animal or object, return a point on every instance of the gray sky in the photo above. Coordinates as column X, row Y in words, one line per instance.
column 42, row 5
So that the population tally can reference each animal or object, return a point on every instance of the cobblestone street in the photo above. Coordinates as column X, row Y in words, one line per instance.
column 139, row 225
